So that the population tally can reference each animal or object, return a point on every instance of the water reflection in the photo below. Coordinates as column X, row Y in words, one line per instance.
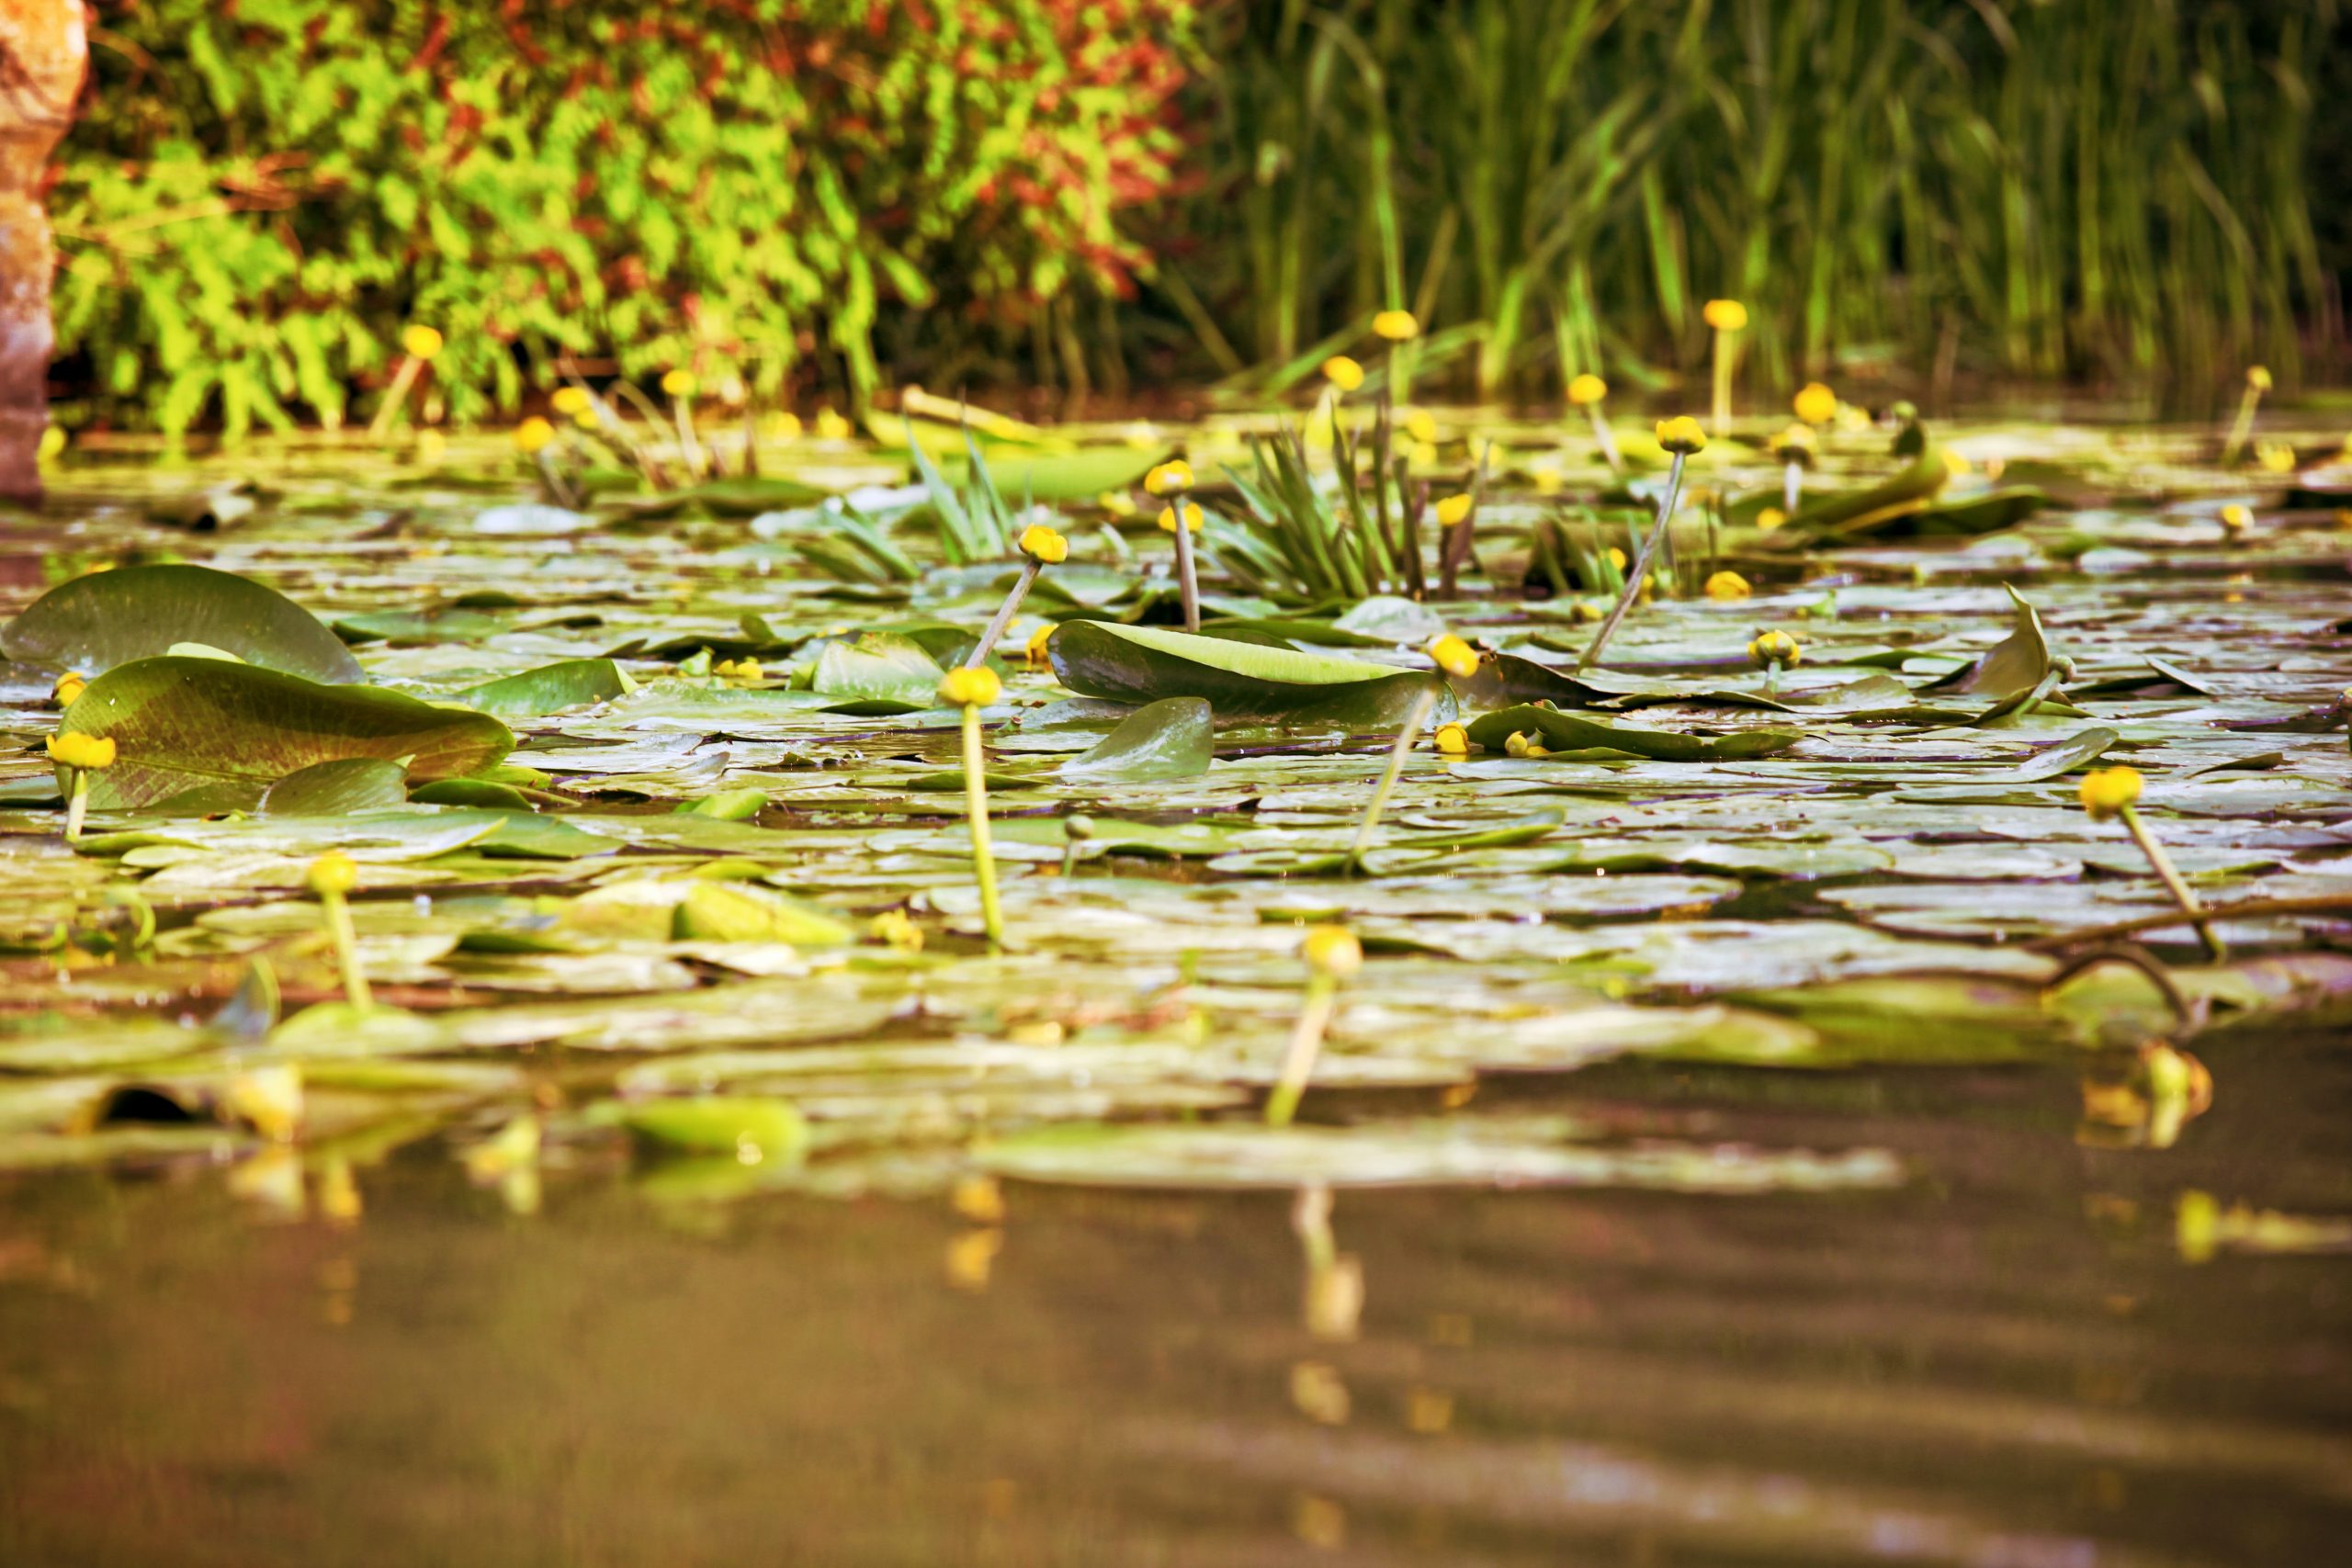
column 2042, row 1352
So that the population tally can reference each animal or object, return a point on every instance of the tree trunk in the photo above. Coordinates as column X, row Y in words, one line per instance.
column 43, row 54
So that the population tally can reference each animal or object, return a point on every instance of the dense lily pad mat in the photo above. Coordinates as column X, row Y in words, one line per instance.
column 660, row 855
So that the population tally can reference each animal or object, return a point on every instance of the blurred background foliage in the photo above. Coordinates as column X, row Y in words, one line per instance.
column 819, row 196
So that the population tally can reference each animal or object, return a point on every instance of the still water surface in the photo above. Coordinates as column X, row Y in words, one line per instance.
column 2006, row 1363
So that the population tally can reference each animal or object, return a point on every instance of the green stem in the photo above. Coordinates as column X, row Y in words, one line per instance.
column 2170, row 876
column 1397, row 755
column 402, row 379
column 346, row 949
column 1030, row 568
column 1187, row 583
column 690, row 448
column 1722, row 385
column 1640, row 572
column 2243, row 426
column 1792, row 488
column 1606, row 438
column 77, row 806
column 975, row 806
column 1305, row 1044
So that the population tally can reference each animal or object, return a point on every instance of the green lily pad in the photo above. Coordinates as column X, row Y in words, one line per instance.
column 1098, row 658
column 1166, row 739
column 109, row 618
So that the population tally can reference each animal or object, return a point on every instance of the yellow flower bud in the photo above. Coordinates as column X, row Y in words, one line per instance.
column 831, row 426
column 2275, row 456
column 1453, row 656
column 1172, row 478
column 1396, row 326
column 1454, row 509
column 1770, row 518
column 1795, row 444
column 1681, row 434
column 1343, row 373
column 1453, row 740
column 1726, row 586
column 1725, row 315
column 69, row 686
column 332, row 874
column 52, row 442
column 2258, row 378
column 2108, row 791
column 568, row 401
column 894, row 929
column 1332, row 951
column 1041, row 543
column 1778, row 650
column 971, row 688
column 533, row 435
column 1587, row 388
column 2236, row 518
column 421, row 342
column 783, row 425
column 88, row 753
column 1037, row 650
column 1816, row 404
column 1617, row 557
column 585, row 419
column 1421, row 425
column 1192, row 519
column 679, row 383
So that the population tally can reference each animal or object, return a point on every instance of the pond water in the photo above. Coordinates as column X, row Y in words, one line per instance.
column 2012, row 1360
column 1715, row 1160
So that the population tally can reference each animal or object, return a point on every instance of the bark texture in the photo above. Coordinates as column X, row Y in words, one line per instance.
column 43, row 52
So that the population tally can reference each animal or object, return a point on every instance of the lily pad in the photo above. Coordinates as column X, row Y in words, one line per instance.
column 109, row 618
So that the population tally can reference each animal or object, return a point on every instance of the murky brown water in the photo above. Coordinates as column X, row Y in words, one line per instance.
column 2009, row 1363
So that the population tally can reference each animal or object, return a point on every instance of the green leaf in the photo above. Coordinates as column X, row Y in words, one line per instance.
column 1098, row 658
column 881, row 673
column 327, row 789
column 179, row 723
column 550, row 688
column 1573, row 732
column 729, row 911
column 1166, row 739
column 730, row 498
column 755, row 1131
column 107, row 618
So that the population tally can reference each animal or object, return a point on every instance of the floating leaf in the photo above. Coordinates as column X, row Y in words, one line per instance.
column 1098, row 658
column 1166, row 739
column 107, row 618
column 1570, row 732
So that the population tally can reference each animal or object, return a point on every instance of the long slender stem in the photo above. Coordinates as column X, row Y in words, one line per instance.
column 77, row 806
column 1005, row 611
column 1605, row 438
column 346, row 950
column 1640, row 572
column 1406, row 735
column 1722, row 385
column 2243, row 427
column 1187, row 583
column 975, row 806
column 687, row 446
column 552, row 476
column 397, row 394
column 1791, row 487
column 1305, row 1044
column 2170, row 876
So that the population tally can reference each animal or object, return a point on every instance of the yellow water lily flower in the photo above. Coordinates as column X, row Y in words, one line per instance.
column 1453, row 740
column 2236, row 519
column 1040, row 543
column 679, row 383
column 1770, row 518
column 971, row 688
column 52, row 442
column 1776, row 651
column 332, row 875
column 1172, row 478
column 1681, row 434
column 2275, row 456
column 831, row 426
column 1587, row 388
column 1343, row 373
column 533, row 435
column 1726, row 586
column 1194, row 519
column 1421, row 425
column 1816, row 404
column 1454, row 509
column 70, row 685
column 421, row 342
column 1453, row 656
column 1036, row 650
column 1396, row 326
column 568, row 401
column 1333, row 951
column 88, row 753
column 1725, row 315
column 2108, row 791
column 2258, row 378
column 896, row 929
column 1795, row 445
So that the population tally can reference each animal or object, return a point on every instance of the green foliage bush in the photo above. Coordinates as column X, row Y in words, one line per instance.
column 262, row 192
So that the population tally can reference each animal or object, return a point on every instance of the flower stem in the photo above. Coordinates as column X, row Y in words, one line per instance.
column 1187, row 581
column 2232, row 448
column 1406, row 735
column 1723, row 384
column 1792, row 488
column 77, row 806
column 1305, row 1044
column 1640, row 572
column 1605, row 438
column 1005, row 611
column 689, row 447
column 346, row 949
column 552, row 476
column 2170, row 876
column 975, row 806
column 404, row 379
